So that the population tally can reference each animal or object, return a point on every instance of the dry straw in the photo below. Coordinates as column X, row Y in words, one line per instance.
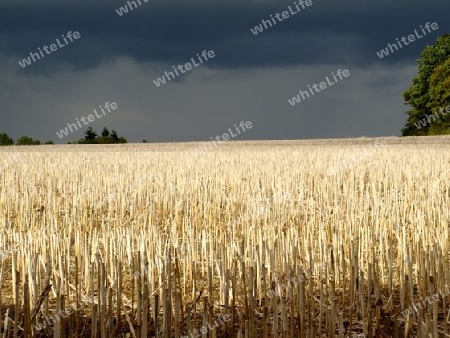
column 186, row 246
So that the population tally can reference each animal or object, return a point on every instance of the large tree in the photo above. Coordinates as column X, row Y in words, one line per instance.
column 429, row 93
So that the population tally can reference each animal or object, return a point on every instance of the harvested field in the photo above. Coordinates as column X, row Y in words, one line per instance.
column 317, row 238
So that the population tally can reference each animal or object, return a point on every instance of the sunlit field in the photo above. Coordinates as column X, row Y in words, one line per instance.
column 248, row 239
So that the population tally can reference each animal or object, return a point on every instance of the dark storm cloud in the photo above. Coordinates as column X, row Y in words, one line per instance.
column 251, row 77
column 329, row 32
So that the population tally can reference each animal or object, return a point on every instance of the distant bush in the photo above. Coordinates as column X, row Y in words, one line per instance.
column 5, row 140
column 27, row 141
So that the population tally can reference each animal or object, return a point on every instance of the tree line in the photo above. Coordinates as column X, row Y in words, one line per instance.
column 90, row 137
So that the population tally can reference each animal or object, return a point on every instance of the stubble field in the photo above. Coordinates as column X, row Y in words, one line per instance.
column 318, row 238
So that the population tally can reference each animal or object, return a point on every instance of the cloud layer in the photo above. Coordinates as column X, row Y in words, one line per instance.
column 117, row 58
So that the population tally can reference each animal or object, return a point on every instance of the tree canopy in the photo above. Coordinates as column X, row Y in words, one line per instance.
column 429, row 95
column 91, row 137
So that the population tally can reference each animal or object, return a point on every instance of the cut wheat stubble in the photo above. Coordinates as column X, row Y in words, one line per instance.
column 185, row 247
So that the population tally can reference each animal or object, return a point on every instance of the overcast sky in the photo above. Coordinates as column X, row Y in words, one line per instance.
column 251, row 77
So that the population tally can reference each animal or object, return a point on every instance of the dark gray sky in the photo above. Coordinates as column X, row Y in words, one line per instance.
column 117, row 59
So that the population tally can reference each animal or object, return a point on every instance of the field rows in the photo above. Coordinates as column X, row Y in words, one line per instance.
column 248, row 239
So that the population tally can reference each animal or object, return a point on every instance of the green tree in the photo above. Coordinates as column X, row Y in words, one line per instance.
column 89, row 136
column 49, row 142
column 425, row 96
column 440, row 98
column 114, row 136
column 5, row 140
column 105, row 132
column 27, row 141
